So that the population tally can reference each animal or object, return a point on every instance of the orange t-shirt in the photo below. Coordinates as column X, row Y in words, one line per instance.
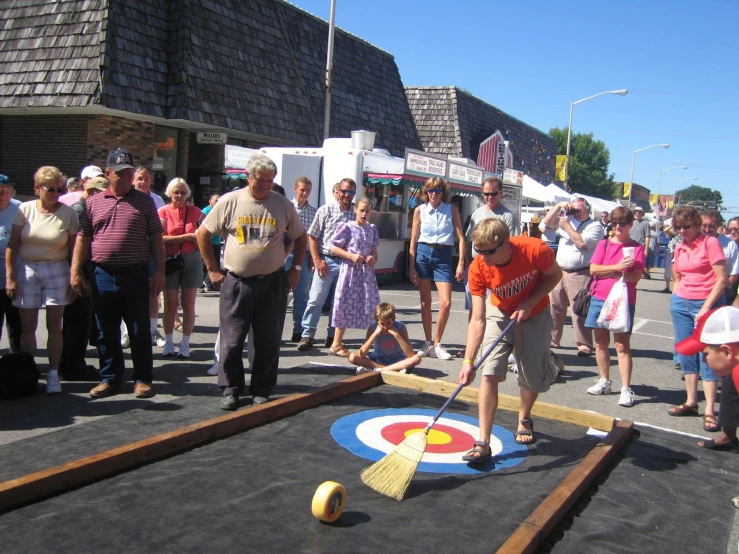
column 513, row 283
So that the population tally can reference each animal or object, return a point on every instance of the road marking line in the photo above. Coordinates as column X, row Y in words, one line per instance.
column 654, row 321
column 638, row 324
column 652, row 335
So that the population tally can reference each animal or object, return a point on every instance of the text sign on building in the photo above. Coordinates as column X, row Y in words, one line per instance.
column 424, row 165
column 512, row 177
column 465, row 174
column 211, row 138
column 494, row 154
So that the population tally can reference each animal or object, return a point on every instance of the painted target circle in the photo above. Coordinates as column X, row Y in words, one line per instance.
column 372, row 434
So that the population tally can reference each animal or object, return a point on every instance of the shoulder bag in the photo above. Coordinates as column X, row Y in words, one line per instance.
column 581, row 302
column 176, row 263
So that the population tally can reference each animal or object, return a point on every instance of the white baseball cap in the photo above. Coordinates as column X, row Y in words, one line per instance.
column 91, row 171
column 719, row 326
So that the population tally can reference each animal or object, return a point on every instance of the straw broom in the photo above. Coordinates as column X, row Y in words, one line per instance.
column 392, row 475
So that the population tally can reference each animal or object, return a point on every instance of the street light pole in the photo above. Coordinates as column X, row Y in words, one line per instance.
column 329, row 71
column 620, row 92
column 633, row 159
column 659, row 188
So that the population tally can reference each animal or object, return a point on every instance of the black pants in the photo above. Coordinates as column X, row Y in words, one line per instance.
column 728, row 415
column 12, row 318
column 76, row 328
column 258, row 304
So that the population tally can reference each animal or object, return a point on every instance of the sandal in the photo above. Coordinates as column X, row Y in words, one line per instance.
column 339, row 351
column 683, row 410
column 710, row 444
column 526, row 432
column 585, row 352
column 480, row 453
column 710, row 425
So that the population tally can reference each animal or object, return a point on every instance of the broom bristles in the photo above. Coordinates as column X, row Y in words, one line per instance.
column 392, row 475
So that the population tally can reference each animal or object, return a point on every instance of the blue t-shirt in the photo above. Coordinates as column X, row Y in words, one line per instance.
column 215, row 239
column 6, row 226
column 385, row 344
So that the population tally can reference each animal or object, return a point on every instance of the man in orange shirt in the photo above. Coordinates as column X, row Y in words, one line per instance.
column 519, row 272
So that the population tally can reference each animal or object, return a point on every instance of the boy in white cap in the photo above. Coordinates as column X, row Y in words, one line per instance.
column 717, row 336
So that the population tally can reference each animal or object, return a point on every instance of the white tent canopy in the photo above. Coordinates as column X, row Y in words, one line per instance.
column 558, row 195
column 598, row 204
column 535, row 191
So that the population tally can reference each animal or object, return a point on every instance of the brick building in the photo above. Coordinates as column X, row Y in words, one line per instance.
column 81, row 77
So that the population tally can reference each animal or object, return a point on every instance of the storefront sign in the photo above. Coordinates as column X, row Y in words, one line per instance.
column 211, row 138
column 465, row 174
column 424, row 165
column 495, row 155
column 512, row 177
column 236, row 157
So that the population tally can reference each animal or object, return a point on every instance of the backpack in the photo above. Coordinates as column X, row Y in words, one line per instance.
column 19, row 376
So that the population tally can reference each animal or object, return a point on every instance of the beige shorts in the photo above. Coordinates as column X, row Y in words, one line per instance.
column 536, row 368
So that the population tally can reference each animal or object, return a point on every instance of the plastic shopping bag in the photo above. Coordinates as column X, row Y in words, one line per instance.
column 615, row 315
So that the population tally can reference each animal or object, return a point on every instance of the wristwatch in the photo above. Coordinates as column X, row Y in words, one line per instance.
column 297, row 267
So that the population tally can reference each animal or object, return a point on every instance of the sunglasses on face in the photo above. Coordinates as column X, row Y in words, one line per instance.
column 434, row 191
column 490, row 194
column 683, row 227
column 491, row 251
column 619, row 223
column 733, row 229
column 348, row 192
column 52, row 189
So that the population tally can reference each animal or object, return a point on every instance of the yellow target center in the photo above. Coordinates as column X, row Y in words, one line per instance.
column 434, row 437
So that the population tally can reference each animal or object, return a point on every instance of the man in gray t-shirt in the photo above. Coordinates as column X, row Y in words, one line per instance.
column 640, row 233
column 492, row 195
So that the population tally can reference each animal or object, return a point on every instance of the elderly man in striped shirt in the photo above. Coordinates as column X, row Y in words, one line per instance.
column 120, row 230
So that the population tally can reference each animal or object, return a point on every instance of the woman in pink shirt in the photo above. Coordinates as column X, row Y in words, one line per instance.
column 180, row 220
column 700, row 273
column 610, row 261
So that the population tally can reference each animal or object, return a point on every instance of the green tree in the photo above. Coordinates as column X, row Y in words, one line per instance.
column 695, row 193
column 589, row 161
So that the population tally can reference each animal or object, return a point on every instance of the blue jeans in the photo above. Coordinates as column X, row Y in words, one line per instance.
column 683, row 313
column 300, row 294
column 122, row 296
column 320, row 289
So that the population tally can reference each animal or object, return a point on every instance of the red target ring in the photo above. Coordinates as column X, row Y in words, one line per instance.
column 442, row 438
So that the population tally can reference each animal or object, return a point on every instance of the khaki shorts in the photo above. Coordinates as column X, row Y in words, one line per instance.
column 536, row 368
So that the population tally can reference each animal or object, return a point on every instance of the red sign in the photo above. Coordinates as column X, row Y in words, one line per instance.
column 494, row 155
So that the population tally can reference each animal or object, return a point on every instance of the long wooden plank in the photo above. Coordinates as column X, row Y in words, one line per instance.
column 34, row 486
column 530, row 534
column 505, row 401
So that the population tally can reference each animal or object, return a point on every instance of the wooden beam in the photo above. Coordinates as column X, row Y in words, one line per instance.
column 505, row 401
column 34, row 486
column 532, row 532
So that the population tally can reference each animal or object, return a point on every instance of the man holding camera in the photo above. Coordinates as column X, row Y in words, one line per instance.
column 579, row 235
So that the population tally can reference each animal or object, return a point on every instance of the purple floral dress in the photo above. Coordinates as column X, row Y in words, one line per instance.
column 357, row 295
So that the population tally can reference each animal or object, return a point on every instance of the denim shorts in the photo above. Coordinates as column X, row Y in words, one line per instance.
column 386, row 360
column 591, row 321
column 434, row 263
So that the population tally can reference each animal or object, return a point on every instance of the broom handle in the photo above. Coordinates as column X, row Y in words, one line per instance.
column 477, row 366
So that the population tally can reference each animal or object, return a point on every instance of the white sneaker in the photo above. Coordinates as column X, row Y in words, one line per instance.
column 213, row 370
column 627, row 397
column 427, row 350
column 125, row 341
column 184, row 351
column 157, row 339
column 602, row 386
column 53, row 386
column 441, row 353
column 361, row 370
column 168, row 349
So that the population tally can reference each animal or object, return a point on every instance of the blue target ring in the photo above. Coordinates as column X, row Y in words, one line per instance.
column 362, row 433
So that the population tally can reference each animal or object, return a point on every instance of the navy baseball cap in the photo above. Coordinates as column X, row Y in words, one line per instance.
column 120, row 159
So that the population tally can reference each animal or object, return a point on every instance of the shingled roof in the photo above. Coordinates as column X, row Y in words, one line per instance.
column 453, row 122
column 255, row 66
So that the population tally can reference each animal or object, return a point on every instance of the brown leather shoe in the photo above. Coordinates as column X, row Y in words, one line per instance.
column 103, row 390
column 142, row 390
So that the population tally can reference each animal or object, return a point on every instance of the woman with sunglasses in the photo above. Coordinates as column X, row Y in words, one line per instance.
column 613, row 258
column 699, row 268
column 42, row 242
column 436, row 222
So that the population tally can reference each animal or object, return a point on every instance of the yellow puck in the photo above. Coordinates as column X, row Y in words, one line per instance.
column 329, row 501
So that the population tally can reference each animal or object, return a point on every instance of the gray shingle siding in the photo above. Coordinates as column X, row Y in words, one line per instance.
column 255, row 66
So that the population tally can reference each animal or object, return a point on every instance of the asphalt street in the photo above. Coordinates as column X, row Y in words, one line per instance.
column 656, row 383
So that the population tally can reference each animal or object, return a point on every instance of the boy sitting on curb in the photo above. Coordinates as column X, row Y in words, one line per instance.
column 392, row 349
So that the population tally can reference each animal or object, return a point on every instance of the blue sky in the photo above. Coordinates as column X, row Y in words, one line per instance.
column 679, row 60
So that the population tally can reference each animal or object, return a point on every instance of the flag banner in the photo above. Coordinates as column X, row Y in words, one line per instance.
column 561, row 168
